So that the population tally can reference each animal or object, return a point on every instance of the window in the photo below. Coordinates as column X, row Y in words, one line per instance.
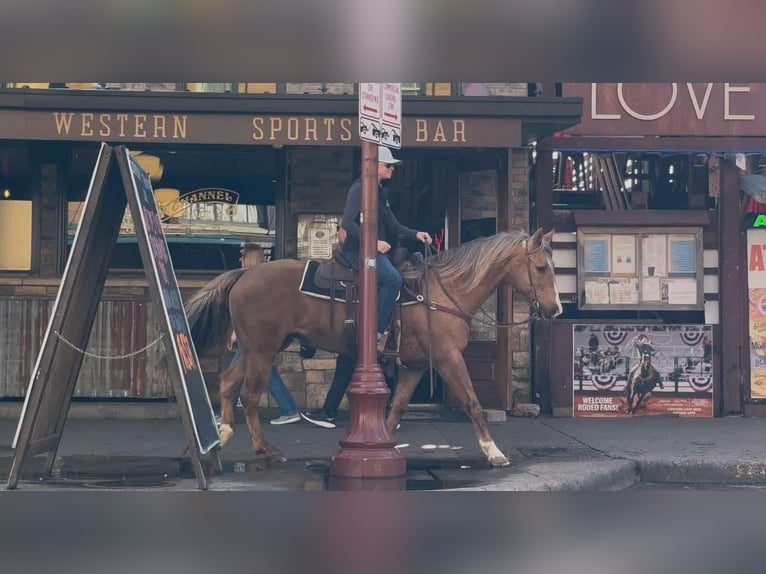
column 210, row 203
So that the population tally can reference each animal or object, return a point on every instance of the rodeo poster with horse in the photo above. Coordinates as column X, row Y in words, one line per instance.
column 631, row 370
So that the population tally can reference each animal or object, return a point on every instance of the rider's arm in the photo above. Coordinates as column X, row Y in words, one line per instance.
column 389, row 219
column 351, row 211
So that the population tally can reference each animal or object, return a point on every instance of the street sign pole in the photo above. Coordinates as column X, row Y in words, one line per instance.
column 368, row 450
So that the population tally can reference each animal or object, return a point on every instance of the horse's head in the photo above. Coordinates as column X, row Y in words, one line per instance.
column 536, row 279
column 646, row 362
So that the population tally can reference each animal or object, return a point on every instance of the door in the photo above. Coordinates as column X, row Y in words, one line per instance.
column 476, row 208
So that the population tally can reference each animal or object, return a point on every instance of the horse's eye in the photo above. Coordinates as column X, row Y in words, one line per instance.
column 542, row 268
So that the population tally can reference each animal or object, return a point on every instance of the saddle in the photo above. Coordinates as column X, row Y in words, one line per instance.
column 340, row 278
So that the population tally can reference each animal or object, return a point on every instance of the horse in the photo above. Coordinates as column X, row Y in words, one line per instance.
column 641, row 381
column 268, row 311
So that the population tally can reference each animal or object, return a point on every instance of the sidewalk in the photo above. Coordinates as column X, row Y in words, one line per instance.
column 442, row 452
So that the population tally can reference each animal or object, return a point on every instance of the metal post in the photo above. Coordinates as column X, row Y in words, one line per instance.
column 368, row 449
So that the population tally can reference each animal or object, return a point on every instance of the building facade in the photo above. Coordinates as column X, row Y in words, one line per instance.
column 250, row 162
column 646, row 195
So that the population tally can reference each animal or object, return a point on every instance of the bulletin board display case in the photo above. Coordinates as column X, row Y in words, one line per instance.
column 640, row 268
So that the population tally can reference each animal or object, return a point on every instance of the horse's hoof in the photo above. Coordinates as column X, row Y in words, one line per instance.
column 225, row 432
column 499, row 461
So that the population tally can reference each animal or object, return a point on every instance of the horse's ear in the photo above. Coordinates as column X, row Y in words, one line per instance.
column 536, row 238
column 549, row 236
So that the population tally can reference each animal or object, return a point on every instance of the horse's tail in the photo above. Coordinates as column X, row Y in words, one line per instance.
column 208, row 310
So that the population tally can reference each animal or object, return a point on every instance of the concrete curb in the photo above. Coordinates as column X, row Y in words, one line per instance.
column 702, row 472
column 585, row 476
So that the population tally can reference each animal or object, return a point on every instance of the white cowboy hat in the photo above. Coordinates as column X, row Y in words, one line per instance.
column 385, row 156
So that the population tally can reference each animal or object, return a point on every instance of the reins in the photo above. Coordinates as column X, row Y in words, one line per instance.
column 458, row 311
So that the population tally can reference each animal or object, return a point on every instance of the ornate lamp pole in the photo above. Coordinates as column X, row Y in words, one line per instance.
column 368, row 449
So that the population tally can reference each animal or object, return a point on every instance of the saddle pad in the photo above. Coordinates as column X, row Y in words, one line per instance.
column 309, row 287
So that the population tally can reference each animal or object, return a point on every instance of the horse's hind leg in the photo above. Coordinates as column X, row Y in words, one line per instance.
column 252, row 389
column 231, row 378
column 405, row 385
column 453, row 369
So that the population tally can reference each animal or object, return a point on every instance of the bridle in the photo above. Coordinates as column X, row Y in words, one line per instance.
column 458, row 311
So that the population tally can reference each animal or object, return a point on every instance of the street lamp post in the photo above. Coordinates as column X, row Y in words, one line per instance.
column 368, row 450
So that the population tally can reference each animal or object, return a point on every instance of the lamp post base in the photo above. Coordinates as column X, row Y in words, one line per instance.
column 368, row 450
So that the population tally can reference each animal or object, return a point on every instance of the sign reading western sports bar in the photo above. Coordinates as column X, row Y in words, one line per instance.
column 249, row 129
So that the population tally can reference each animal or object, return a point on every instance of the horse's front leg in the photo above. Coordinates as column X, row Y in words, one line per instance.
column 453, row 369
column 231, row 378
column 252, row 389
column 405, row 385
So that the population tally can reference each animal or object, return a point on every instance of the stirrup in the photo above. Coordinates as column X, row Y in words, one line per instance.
column 383, row 341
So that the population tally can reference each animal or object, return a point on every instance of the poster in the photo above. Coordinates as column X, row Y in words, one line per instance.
column 320, row 243
column 624, row 254
column 653, row 256
column 683, row 254
column 650, row 289
column 682, row 291
column 597, row 254
column 597, row 292
column 635, row 370
column 756, row 283
column 623, row 291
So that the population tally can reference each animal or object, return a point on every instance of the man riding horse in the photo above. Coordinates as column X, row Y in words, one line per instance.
column 389, row 229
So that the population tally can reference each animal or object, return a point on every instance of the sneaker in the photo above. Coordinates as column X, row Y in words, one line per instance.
column 286, row 419
column 320, row 418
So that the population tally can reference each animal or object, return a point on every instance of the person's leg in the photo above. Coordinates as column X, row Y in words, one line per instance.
column 344, row 369
column 325, row 417
column 389, row 284
column 281, row 394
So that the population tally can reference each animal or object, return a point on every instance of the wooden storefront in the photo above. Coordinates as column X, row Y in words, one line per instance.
column 291, row 157
column 653, row 158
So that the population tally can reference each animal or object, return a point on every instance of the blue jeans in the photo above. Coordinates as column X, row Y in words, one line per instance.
column 389, row 285
column 275, row 386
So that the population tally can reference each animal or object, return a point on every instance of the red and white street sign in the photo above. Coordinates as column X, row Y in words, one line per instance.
column 380, row 114
column 369, row 112
column 391, row 115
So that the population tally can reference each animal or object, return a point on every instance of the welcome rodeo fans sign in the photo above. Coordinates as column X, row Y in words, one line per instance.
column 117, row 181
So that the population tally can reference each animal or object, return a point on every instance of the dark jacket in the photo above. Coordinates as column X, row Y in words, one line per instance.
column 389, row 228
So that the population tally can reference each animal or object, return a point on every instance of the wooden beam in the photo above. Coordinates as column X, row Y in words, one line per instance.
column 658, row 144
column 544, row 189
column 733, row 290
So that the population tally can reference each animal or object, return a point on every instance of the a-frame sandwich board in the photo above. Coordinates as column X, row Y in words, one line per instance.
column 117, row 180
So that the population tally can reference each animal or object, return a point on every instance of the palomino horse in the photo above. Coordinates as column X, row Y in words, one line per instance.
column 267, row 311
column 641, row 381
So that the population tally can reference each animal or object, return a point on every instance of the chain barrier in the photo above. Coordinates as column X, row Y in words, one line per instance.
column 107, row 357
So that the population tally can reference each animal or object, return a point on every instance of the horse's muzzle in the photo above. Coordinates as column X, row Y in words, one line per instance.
column 549, row 312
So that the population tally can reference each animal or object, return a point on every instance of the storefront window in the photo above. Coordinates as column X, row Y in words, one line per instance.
column 485, row 89
column 210, row 203
column 319, row 88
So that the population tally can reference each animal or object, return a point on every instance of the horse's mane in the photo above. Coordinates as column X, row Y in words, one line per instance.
column 468, row 264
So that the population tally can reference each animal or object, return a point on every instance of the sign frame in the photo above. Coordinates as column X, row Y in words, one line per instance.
column 57, row 367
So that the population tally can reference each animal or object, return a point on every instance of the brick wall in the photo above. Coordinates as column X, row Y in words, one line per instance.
column 519, row 201
column 49, row 217
column 318, row 179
